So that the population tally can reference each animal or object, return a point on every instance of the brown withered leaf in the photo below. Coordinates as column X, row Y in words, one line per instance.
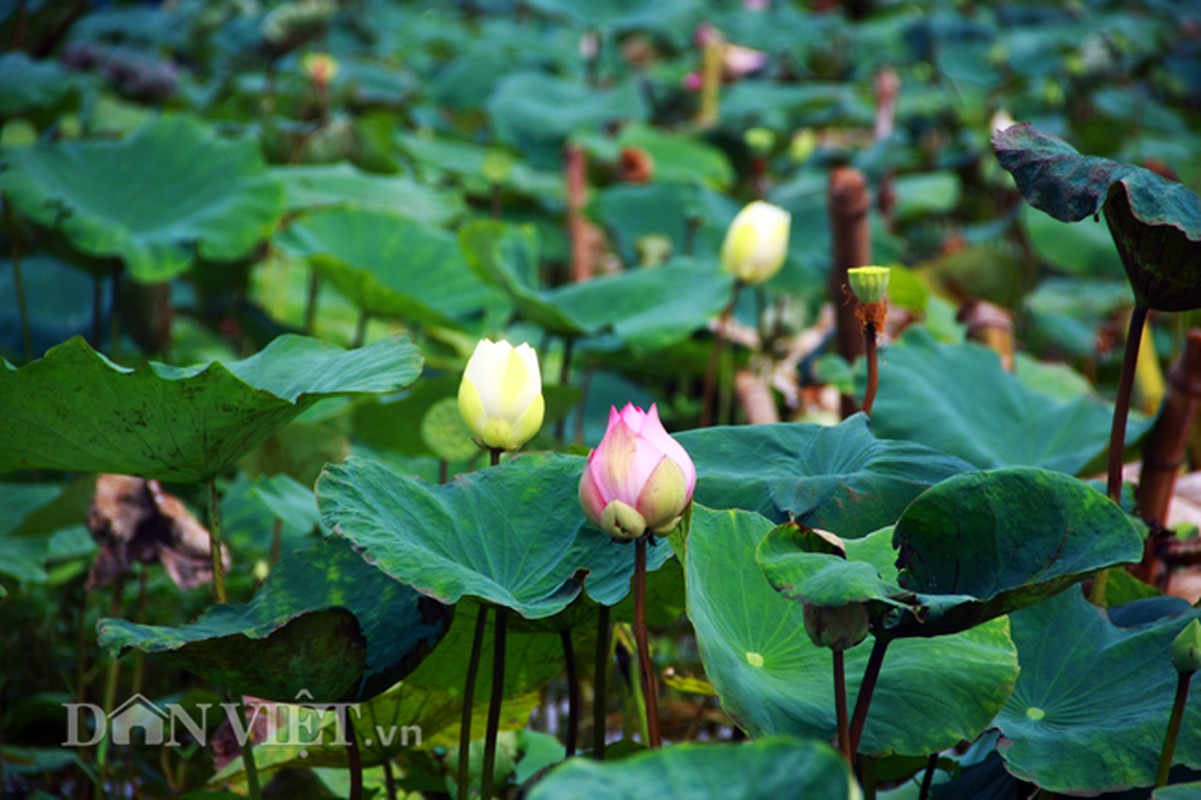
column 133, row 519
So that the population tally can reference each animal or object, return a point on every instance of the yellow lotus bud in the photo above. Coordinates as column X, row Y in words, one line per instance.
column 1186, row 649
column 869, row 284
column 756, row 243
column 500, row 396
column 321, row 67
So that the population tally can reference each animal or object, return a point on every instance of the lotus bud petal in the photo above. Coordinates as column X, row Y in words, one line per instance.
column 638, row 478
column 500, row 396
column 836, row 627
column 1186, row 649
column 756, row 243
column 870, row 284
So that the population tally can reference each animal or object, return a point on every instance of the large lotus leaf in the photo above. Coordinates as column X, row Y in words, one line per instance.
column 309, row 186
column 29, row 87
column 1155, row 222
column 532, row 110
column 972, row 548
column 388, row 265
column 1008, row 538
column 511, row 535
column 75, row 410
column 693, row 218
column 165, row 195
column 325, row 622
column 1093, row 699
column 780, row 766
column 648, row 307
column 772, row 679
column 466, row 161
column 957, row 398
column 840, row 478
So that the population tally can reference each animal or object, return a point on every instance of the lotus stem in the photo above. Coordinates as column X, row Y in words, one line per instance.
column 650, row 696
column 353, row 754
column 1117, row 434
column 564, row 377
column 473, row 671
column 111, row 678
column 310, row 303
column 599, row 682
column 360, row 330
column 711, row 369
column 494, row 456
column 573, row 692
column 215, row 541
column 389, row 779
column 867, row 687
column 498, row 693
column 1169, row 739
column 248, row 762
column 928, row 778
column 873, row 368
column 840, row 706
column 98, row 313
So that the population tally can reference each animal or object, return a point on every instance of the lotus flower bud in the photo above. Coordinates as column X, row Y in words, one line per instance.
column 869, row 284
column 1186, row 649
column 836, row 627
column 500, row 396
column 638, row 478
column 321, row 67
column 756, row 243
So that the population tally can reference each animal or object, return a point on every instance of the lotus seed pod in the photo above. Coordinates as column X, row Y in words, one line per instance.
column 870, row 284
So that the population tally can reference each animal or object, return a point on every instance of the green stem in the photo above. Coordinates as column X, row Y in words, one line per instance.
column 498, row 694
column 564, row 376
column 928, row 778
column 599, row 681
column 711, row 367
column 353, row 755
column 215, row 541
column 248, row 762
column 139, row 659
column 1169, row 739
column 867, row 778
column 473, row 671
column 111, row 680
column 873, row 370
column 310, row 303
column 573, row 692
column 389, row 779
column 871, row 674
column 360, row 330
column 645, row 663
column 840, row 706
column 1117, row 434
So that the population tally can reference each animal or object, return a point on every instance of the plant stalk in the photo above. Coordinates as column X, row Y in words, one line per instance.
column 928, row 778
column 1117, row 434
column 248, row 762
column 473, row 671
column 871, row 674
column 354, row 755
column 501, row 619
column 360, row 330
column 215, row 541
column 389, row 779
column 873, row 367
column 599, row 683
column 573, row 692
column 644, row 651
column 840, row 706
column 494, row 456
column 1169, row 739
column 310, row 303
column 711, row 368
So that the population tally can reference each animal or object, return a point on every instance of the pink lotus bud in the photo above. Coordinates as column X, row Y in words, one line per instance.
column 693, row 82
column 638, row 478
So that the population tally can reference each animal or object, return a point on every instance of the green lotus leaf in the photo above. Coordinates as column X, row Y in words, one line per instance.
column 1005, row 539
column 842, row 478
column 32, row 87
column 511, row 535
column 1092, row 703
column 646, row 308
column 1155, row 222
column 310, row 186
column 773, row 680
column 780, row 766
column 958, row 399
column 75, row 410
column 167, row 194
column 325, row 622
column 388, row 265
